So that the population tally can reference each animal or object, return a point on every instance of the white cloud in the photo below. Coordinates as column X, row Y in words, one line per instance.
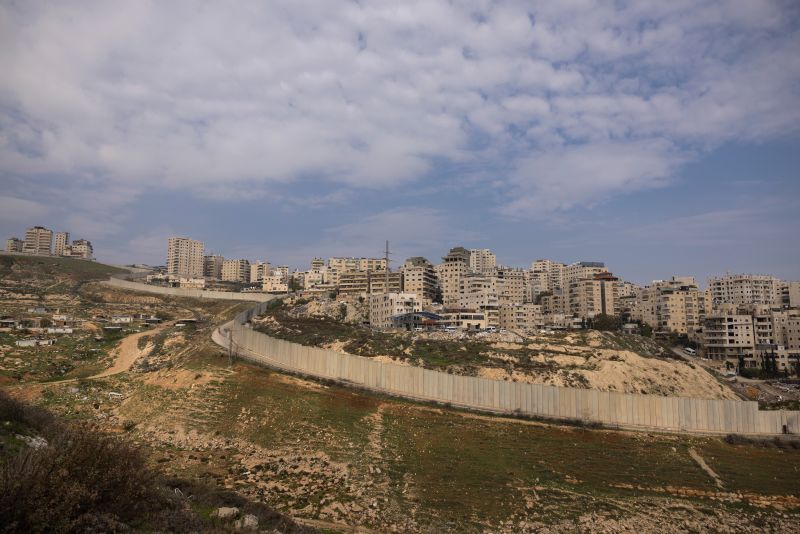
column 208, row 99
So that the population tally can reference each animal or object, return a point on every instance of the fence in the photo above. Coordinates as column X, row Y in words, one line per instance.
column 622, row 410
column 190, row 293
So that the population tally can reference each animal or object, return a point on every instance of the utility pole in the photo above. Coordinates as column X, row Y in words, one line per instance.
column 386, row 288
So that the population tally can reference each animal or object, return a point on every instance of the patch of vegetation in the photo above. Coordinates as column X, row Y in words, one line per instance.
column 77, row 479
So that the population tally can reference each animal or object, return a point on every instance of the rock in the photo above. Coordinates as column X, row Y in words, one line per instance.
column 248, row 522
column 225, row 512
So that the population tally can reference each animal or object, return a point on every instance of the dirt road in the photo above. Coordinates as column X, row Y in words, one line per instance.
column 127, row 352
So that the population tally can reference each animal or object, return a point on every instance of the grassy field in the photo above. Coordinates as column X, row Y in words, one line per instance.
column 53, row 273
column 439, row 468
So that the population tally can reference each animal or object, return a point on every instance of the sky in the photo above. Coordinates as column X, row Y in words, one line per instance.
column 662, row 138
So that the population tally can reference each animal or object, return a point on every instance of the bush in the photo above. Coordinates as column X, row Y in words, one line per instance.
column 81, row 477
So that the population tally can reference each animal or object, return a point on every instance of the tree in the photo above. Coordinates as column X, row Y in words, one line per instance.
column 646, row 330
column 610, row 323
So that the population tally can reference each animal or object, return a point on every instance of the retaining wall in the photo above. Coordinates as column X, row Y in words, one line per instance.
column 640, row 412
column 192, row 293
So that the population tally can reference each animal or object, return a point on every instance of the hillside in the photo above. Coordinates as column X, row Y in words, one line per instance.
column 45, row 274
column 582, row 359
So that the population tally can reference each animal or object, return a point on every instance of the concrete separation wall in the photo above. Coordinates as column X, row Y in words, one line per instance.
column 639, row 412
column 192, row 293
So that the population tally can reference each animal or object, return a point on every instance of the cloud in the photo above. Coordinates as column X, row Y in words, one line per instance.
column 17, row 210
column 229, row 103
column 561, row 178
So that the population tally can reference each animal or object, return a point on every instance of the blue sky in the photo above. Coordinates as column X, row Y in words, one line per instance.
column 660, row 137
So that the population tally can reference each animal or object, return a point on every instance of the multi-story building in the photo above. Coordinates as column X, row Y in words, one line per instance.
column 236, row 271
column 38, row 240
column 453, row 267
column 512, row 287
column 745, row 289
column 521, row 316
column 588, row 297
column 419, row 277
column 184, row 257
column 212, row 266
column 275, row 283
column 729, row 337
column 790, row 295
column 357, row 264
column 548, row 275
column 60, row 244
column 383, row 306
column 482, row 260
column 581, row 270
column 259, row 270
column 14, row 244
column 478, row 292
column 317, row 264
column 555, row 303
column 671, row 306
column 368, row 282
column 80, row 248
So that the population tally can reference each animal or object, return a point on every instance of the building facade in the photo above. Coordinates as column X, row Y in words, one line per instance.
column 236, row 271
column 184, row 257
column 482, row 260
column 419, row 277
column 38, row 240
column 384, row 306
column 60, row 243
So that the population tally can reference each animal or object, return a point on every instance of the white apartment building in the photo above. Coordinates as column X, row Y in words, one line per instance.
column 729, row 336
column 14, row 244
column 745, row 289
column 419, row 277
column 236, row 271
column 478, row 293
column 454, row 266
column 212, row 266
column 38, row 240
column 60, row 244
column 184, row 257
column 383, row 306
column 482, row 260
column 582, row 270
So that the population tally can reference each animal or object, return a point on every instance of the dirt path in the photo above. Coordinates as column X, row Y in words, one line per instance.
column 705, row 467
column 127, row 352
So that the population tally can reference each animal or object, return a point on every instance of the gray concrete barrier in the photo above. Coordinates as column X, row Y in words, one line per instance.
column 190, row 293
column 620, row 410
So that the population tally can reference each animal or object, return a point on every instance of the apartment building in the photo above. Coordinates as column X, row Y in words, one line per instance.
column 368, row 282
column 478, row 292
column 790, row 294
column 729, row 337
column 38, row 240
column 60, row 243
column 556, row 303
column 80, row 248
column 512, row 286
column 357, row 264
column 745, row 289
column 582, row 270
column 521, row 317
column 384, row 306
column 482, row 260
column 548, row 275
column 671, row 306
column 419, row 278
column 184, row 257
column 259, row 270
column 236, row 271
column 317, row 264
column 14, row 244
column 212, row 266
column 588, row 297
column 275, row 283
column 454, row 266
